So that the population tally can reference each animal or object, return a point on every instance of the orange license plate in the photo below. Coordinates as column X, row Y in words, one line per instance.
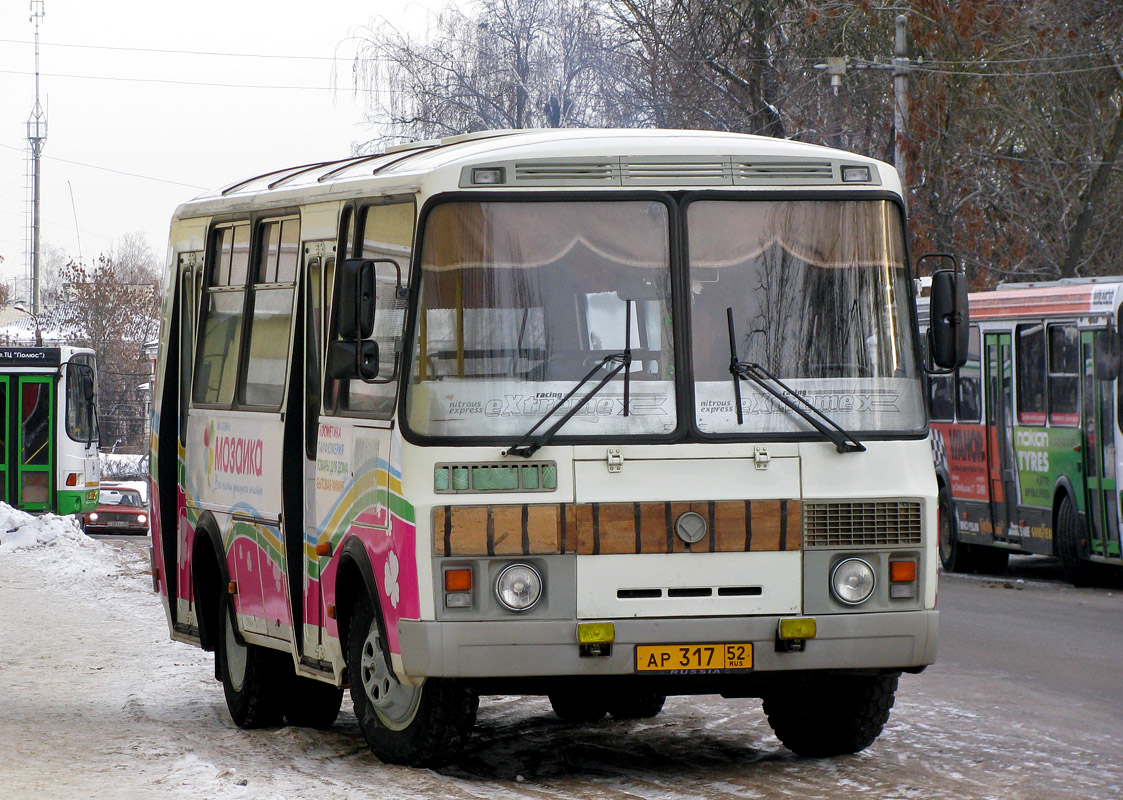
column 679, row 659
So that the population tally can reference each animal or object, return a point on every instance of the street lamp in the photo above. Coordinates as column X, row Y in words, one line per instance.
column 34, row 318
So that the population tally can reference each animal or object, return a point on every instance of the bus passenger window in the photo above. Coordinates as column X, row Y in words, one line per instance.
column 1064, row 375
column 271, row 299
column 220, row 337
column 1031, row 374
column 967, row 387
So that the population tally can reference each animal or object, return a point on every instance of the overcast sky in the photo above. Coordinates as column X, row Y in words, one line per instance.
column 137, row 125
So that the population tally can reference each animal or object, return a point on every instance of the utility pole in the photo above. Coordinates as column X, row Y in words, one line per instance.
column 837, row 66
column 36, row 138
column 900, row 98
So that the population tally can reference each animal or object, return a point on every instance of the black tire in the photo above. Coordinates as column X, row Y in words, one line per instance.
column 636, row 705
column 310, row 703
column 954, row 555
column 1071, row 544
column 253, row 677
column 577, row 706
column 819, row 716
column 418, row 726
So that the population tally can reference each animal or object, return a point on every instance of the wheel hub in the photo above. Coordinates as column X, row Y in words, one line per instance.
column 394, row 702
column 235, row 657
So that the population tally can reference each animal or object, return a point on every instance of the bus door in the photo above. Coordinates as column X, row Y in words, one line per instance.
column 1000, row 434
column 1098, row 446
column 26, row 445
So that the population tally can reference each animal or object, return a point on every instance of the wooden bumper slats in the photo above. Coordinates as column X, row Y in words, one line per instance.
column 615, row 528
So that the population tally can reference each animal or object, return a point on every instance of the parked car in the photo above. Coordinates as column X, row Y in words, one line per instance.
column 120, row 509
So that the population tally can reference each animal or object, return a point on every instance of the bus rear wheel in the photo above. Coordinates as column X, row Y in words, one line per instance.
column 818, row 716
column 418, row 726
column 1070, row 545
column 253, row 677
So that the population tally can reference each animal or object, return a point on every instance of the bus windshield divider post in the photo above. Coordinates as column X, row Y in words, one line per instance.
column 843, row 441
column 623, row 361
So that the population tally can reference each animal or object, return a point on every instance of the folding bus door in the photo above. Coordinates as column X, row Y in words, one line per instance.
column 1000, row 435
column 27, row 452
column 1098, row 446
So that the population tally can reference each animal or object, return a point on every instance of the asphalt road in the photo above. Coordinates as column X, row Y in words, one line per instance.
column 1031, row 628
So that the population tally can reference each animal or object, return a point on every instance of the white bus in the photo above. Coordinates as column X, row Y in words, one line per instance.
column 600, row 415
column 48, row 442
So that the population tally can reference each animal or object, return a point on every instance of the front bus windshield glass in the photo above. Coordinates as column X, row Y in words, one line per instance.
column 520, row 300
column 820, row 299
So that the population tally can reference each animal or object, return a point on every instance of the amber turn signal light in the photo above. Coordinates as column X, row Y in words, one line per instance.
column 458, row 580
column 902, row 571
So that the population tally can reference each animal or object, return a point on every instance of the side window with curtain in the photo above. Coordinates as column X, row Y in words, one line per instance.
column 220, row 337
column 387, row 236
column 270, row 300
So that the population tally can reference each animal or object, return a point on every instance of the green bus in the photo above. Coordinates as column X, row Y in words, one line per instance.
column 48, row 443
column 1027, row 434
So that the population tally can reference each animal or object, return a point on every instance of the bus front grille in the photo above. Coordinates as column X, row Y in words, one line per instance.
column 852, row 524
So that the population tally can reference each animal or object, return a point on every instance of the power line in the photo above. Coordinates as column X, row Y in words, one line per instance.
column 177, row 52
column 110, row 169
column 185, row 83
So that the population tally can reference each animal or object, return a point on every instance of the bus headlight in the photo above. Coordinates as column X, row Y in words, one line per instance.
column 92, row 516
column 852, row 581
column 141, row 518
column 518, row 587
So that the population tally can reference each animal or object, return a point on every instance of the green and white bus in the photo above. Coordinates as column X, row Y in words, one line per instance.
column 1027, row 434
column 48, row 442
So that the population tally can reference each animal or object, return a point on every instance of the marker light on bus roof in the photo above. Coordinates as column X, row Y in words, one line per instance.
column 487, row 176
column 855, row 174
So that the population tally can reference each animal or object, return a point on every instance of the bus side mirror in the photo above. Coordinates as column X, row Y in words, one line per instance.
column 1107, row 352
column 347, row 360
column 948, row 320
column 356, row 299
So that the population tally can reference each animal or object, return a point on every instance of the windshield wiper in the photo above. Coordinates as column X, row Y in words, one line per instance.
column 622, row 360
column 844, row 441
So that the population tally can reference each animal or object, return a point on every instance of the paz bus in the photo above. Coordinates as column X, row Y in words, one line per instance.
column 1026, row 434
column 48, row 442
column 604, row 416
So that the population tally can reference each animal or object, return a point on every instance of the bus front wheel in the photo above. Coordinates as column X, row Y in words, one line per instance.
column 818, row 716
column 418, row 726
column 253, row 677
column 953, row 553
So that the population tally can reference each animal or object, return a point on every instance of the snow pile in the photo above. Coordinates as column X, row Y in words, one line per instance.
column 22, row 531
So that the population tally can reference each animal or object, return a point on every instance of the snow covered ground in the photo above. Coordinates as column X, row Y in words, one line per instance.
column 96, row 701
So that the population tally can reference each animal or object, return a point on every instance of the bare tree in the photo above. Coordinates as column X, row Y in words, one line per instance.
column 109, row 311
column 506, row 64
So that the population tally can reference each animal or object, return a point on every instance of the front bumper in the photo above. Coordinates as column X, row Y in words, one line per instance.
column 543, row 648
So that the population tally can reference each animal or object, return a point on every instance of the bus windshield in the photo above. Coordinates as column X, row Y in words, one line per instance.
column 520, row 300
column 819, row 295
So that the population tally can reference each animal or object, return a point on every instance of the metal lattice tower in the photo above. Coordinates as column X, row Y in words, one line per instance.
column 36, row 139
